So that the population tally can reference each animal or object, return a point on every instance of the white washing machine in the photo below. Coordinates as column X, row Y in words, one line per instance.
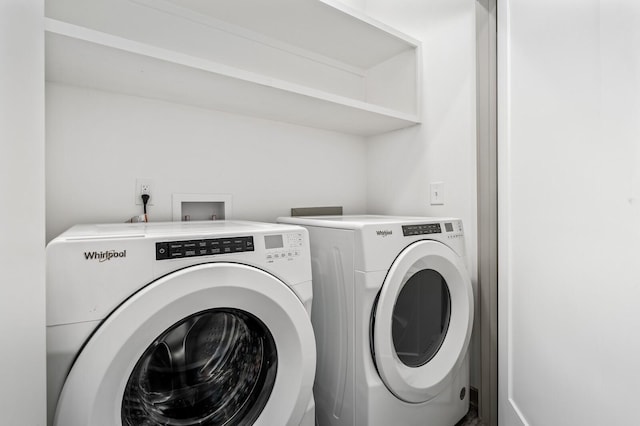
column 193, row 323
column 392, row 312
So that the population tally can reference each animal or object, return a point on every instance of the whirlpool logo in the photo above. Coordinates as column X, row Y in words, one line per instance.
column 384, row 233
column 103, row 256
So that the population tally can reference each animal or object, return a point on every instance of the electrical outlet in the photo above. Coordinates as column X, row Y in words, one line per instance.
column 143, row 186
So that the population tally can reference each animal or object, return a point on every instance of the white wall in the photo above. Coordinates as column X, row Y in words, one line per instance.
column 569, row 143
column 98, row 143
column 22, row 353
column 402, row 164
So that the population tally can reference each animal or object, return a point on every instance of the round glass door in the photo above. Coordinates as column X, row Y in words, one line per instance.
column 421, row 317
column 212, row 368
column 204, row 345
column 421, row 322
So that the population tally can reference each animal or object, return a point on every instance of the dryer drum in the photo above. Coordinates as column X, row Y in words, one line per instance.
column 216, row 367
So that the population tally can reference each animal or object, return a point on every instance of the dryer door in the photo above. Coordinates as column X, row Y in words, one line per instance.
column 422, row 321
column 211, row 344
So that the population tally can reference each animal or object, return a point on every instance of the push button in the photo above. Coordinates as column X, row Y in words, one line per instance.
column 162, row 251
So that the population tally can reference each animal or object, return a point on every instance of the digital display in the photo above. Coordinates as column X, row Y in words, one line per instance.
column 273, row 241
column 448, row 227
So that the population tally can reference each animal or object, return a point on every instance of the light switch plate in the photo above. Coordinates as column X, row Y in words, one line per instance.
column 437, row 193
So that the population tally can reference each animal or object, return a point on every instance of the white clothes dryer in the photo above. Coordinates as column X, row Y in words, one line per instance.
column 392, row 312
column 193, row 323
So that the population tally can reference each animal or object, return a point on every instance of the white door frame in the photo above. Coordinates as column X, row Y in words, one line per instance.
column 508, row 412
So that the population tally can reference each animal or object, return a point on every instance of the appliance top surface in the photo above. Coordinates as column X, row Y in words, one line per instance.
column 168, row 229
column 359, row 221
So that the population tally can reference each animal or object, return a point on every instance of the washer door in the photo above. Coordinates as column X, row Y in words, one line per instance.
column 211, row 344
column 422, row 321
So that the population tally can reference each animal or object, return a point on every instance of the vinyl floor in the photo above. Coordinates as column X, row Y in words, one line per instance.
column 471, row 419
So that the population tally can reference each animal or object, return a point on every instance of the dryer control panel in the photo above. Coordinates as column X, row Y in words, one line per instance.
column 451, row 229
column 205, row 247
column 283, row 246
column 429, row 228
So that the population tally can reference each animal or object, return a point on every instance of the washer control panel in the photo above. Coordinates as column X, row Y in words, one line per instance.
column 283, row 246
column 205, row 247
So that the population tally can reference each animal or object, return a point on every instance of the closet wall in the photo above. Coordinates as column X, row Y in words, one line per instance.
column 98, row 143
column 272, row 105
column 401, row 165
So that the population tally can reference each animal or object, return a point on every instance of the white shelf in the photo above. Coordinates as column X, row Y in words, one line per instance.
column 325, row 27
column 336, row 76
